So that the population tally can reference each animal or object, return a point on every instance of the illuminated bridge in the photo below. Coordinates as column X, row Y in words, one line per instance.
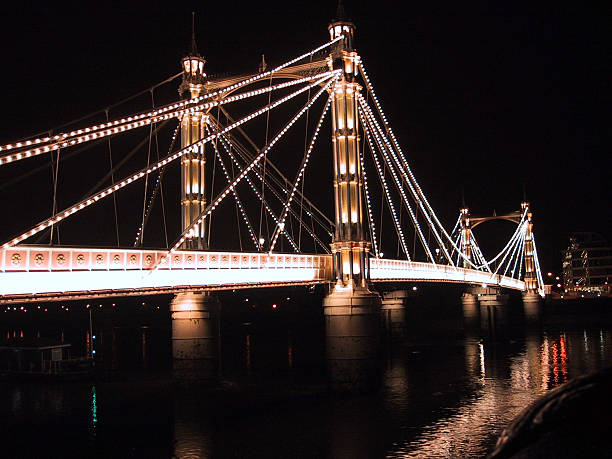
column 377, row 201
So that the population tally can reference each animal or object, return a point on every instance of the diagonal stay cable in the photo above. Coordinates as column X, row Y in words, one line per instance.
column 245, row 217
column 384, row 185
column 108, row 191
column 280, row 199
column 227, row 147
column 209, row 209
column 283, row 182
column 281, row 223
column 30, row 148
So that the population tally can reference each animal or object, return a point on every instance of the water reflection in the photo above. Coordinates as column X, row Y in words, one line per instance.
column 448, row 391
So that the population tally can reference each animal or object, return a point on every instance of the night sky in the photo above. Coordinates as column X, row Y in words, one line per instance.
column 485, row 99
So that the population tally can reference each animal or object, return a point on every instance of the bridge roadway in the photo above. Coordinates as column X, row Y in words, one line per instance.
column 44, row 273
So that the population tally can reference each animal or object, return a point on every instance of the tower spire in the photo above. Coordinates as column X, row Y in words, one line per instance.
column 194, row 47
column 340, row 14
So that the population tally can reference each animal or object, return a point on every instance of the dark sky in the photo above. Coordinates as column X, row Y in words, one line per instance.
column 484, row 98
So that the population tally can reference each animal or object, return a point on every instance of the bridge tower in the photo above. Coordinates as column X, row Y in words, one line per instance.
column 466, row 236
column 351, row 310
column 195, row 322
column 531, row 278
column 193, row 129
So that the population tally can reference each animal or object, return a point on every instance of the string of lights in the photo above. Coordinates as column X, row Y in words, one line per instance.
column 370, row 88
column 508, row 248
column 518, row 256
column 155, row 189
column 281, row 181
column 479, row 255
column 385, row 187
column 397, row 182
column 537, row 266
column 514, row 235
column 132, row 122
column 185, row 102
column 379, row 134
column 247, row 158
column 211, row 207
column 281, row 224
column 113, row 188
column 245, row 217
column 515, row 254
column 256, row 191
column 369, row 207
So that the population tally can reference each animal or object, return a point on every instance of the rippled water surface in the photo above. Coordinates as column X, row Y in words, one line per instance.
column 447, row 390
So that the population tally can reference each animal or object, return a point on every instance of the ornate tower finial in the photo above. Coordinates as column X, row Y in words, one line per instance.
column 340, row 14
column 193, row 67
column 194, row 47
column 340, row 25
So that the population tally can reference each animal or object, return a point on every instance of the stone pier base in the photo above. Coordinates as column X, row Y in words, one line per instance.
column 352, row 331
column 532, row 306
column 393, row 313
column 195, row 332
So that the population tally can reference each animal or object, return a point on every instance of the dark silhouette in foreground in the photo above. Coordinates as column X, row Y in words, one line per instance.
column 572, row 420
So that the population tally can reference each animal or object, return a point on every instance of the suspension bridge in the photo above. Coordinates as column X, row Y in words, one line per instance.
column 258, row 190
column 367, row 160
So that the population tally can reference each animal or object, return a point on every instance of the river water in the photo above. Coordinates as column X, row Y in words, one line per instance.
column 448, row 389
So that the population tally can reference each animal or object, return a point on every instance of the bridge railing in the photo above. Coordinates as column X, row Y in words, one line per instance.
column 41, row 258
column 35, row 271
column 382, row 270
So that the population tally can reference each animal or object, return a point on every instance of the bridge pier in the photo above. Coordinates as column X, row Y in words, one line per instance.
column 471, row 309
column 393, row 313
column 491, row 296
column 352, row 332
column 195, row 331
column 532, row 306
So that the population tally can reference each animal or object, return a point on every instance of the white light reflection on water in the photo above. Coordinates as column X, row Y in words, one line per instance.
column 470, row 429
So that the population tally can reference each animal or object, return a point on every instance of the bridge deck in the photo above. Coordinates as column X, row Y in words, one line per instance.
column 37, row 273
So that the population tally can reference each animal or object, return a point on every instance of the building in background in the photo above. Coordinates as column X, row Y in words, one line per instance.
column 587, row 265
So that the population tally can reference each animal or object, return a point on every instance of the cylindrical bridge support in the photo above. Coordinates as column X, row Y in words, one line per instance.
column 352, row 330
column 195, row 332
column 393, row 313
column 352, row 311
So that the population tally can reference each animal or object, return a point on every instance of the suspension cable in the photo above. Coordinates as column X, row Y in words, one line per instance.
column 300, row 174
column 54, row 173
column 384, row 186
column 372, row 128
column 236, row 198
column 378, row 135
column 158, row 187
column 253, row 187
column 282, row 182
column 112, row 176
column 280, row 199
column 208, row 210
column 146, row 184
column 132, row 122
column 110, row 190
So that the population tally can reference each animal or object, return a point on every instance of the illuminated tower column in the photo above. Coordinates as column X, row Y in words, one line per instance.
column 193, row 129
column 469, row 298
column 352, row 311
column 195, row 316
column 531, row 281
column 466, row 236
